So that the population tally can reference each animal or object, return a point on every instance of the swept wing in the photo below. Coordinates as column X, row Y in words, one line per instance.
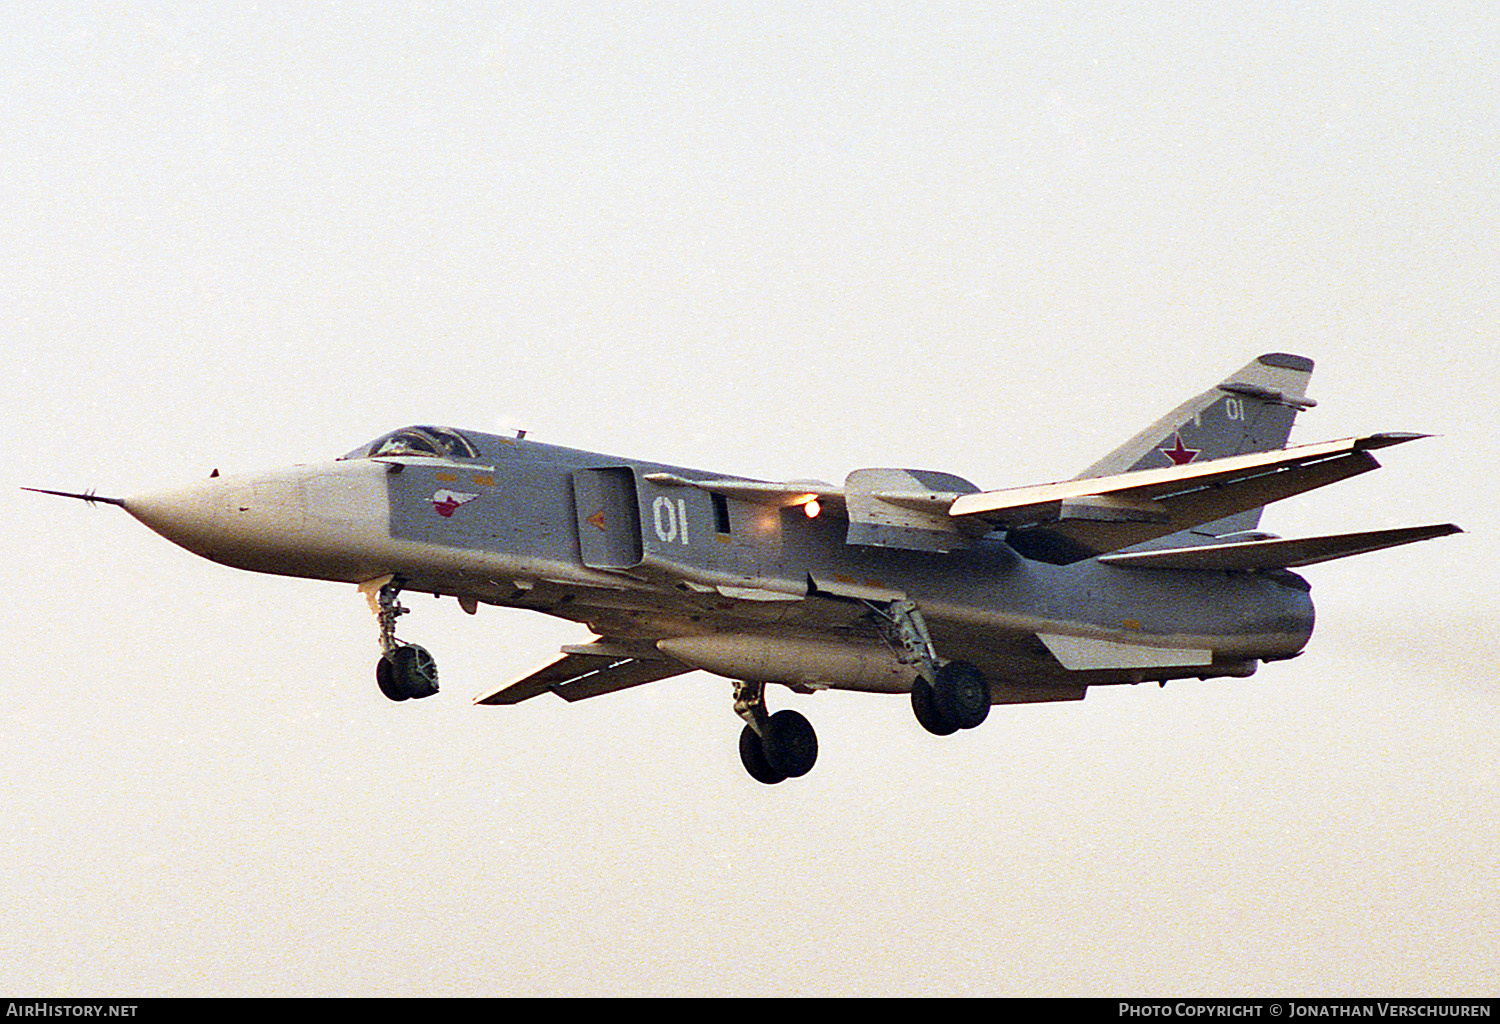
column 1075, row 519
column 579, row 674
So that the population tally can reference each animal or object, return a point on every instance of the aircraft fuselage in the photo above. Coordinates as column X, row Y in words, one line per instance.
column 592, row 538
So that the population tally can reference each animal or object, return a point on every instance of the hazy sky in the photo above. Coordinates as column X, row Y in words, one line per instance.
column 784, row 240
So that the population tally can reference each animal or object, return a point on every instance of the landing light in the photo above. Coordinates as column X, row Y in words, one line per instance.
column 812, row 508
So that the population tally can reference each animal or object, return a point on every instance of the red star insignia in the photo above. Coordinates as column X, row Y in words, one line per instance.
column 1180, row 454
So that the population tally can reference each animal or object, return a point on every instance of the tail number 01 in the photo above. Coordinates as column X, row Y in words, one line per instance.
column 670, row 520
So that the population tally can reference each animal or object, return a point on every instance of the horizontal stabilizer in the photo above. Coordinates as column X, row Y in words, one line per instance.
column 577, row 676
column 1250, row 556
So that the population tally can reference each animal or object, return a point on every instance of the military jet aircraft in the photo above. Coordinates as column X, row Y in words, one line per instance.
column 1147, row 566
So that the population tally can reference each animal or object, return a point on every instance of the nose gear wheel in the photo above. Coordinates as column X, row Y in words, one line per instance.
column 405, row 671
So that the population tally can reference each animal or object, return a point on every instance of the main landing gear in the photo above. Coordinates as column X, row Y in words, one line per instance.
column 404, row 671
column 947, row 696
column 957, row 698
column 776, row 747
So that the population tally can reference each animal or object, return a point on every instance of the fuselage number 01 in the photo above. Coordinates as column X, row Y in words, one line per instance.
column 671, row 521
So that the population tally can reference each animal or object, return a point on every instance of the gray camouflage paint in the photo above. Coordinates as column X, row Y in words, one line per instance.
column 542, row 506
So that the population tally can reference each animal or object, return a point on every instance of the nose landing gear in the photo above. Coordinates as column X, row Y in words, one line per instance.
column 405, row 671
column 408, row 672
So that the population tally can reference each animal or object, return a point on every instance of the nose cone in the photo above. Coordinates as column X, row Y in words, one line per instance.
column 327, row 521
column 189, row 516
column 248, row 524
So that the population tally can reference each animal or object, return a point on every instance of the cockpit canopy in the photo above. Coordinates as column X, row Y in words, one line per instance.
column 433, row 442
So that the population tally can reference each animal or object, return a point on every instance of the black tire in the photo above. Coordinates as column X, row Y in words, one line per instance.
column 385, row 678
column 753, row 757
column 962, row 694
column 929, row 715
column 791, row 745
column 415, row 671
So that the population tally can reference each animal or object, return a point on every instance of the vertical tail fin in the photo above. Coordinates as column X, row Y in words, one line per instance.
column 1251, row 410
